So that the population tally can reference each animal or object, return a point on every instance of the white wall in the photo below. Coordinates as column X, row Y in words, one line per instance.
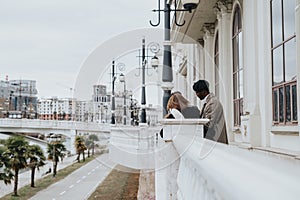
column 257, row 74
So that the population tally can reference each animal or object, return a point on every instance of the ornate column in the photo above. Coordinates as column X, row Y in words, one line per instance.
column 263, row 53
column 251, row 121
column 223, row 10
column 167, row 73
column 209, row 29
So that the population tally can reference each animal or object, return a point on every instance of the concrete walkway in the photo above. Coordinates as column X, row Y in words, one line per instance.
column 24, row 178
column 81, row 183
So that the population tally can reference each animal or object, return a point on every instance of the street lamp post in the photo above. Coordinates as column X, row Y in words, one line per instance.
column 167, row 75
column 143, row 102
column 106, row 108
column 131, row 107
column 24, row 110
column 99, row 113
column 121, row 67
column 113, row 120
column 51, row 107
column 122, row 79
column 6, row 107
column 154, row 48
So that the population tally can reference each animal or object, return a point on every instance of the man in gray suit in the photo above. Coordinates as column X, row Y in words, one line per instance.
column 212, row 109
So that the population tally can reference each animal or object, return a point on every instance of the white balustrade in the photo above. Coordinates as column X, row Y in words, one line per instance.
column 203, row 169
column 167, row 157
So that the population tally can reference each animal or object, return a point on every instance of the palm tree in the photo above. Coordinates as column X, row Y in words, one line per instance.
column 89, row 145
column 36, row 159
column 6, row 174
column 56, row 150
column 17, row 154
column 80, row 147
column 93, row 138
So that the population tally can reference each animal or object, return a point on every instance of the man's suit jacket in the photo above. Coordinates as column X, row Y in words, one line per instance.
column 216, row 128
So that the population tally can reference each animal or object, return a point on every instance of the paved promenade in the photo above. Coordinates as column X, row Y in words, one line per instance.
column 24, row 178
column 81, row 183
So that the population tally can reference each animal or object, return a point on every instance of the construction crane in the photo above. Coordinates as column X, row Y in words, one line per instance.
column 72, row 90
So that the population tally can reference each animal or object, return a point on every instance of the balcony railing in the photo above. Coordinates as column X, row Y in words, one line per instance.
column 196, row 168
column 285, row 103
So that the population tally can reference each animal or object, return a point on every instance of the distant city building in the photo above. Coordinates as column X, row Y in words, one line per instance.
column 56, row 109
column 4, row 89
column 100, row 105
column 18, row 96
column 97, row 109
column 99, row 93
column 82, row 111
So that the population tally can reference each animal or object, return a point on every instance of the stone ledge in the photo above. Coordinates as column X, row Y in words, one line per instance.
column 277, row 151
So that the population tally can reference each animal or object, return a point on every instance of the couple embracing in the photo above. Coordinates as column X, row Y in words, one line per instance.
column 179, row 108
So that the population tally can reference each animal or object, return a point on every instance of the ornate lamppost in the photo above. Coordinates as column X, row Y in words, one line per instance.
column 154, row 48
column 121, row 67
column 167, row 75
column 122, row 79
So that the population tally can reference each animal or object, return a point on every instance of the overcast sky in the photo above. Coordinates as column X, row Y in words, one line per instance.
column 49, row 40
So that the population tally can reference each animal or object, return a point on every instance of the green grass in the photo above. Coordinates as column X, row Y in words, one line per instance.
column 27, row 192
column 120, row 184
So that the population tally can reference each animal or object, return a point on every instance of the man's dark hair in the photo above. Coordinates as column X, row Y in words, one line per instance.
column 201, row 85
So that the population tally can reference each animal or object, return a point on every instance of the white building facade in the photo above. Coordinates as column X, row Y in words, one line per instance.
column 56, row 108
column 249, row 52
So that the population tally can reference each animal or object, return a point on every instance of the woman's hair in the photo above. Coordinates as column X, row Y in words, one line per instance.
column 177, row 101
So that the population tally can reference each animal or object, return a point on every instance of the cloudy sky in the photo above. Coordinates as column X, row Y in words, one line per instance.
column 49, row 40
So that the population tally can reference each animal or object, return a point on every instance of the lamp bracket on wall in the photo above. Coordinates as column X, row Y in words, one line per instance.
column 168, row 9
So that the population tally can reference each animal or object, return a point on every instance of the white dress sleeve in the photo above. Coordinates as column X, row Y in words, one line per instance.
column 176, row 113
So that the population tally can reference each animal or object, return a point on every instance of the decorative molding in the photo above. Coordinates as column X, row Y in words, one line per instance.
column 223, row 6
column 183, row 66
column 209, row 28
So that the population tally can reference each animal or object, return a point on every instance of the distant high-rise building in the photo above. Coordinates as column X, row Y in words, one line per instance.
column 100, row 104
column 19, row 95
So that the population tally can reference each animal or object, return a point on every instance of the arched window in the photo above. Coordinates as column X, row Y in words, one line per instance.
column 238, row 76
column 284, row 70
column 216, row 60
